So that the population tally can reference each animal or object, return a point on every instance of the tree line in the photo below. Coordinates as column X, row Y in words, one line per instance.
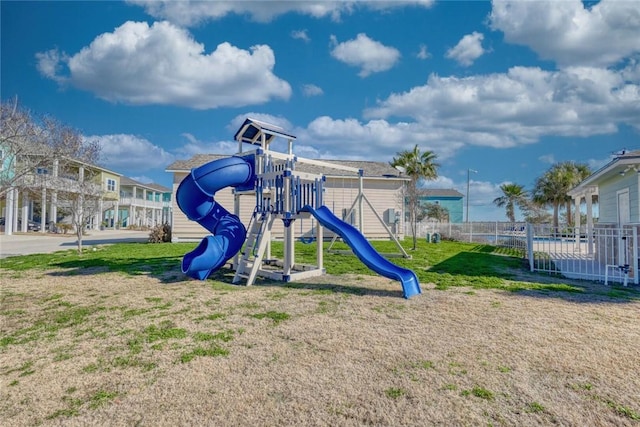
column 549, row 190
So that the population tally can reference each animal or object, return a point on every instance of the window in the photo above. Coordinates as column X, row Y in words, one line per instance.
column 111, row 185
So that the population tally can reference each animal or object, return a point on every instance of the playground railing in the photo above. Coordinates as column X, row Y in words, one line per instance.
column 287, row 191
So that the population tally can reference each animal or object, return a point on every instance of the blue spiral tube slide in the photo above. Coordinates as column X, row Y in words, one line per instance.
column 195, row 197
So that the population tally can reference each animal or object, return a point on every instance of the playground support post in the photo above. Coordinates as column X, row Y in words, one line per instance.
column 289, row 243
column 319, row 245
column 360, row 205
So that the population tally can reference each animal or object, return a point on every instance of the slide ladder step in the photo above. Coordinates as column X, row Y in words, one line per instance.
column 257, row 239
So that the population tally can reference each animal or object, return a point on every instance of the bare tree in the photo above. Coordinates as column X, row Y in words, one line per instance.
column 437, row 212
column 23, row 147
column 76, row 177
column 47, row 156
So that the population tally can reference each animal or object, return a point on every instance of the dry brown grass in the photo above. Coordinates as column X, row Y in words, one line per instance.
column 108, row 349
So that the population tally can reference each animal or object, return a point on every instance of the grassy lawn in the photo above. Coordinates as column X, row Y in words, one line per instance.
column 119, row 336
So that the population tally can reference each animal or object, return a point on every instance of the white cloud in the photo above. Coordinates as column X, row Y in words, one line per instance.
column 309, row 152
column 50, row 64
column 519, row 107
column 311, row 90
column 595, row 164
column 371, row 56
column 375, row 140
column 130, row 154
column 480, row 192
column 194, row 146
column 547, row 158
column 143, row 179
column 468, row 49
column 193, row 12
column 570, row 33
column 439, row 183
column 163, row 64
column 300, row 35
column 280, row 121
column 423, row 53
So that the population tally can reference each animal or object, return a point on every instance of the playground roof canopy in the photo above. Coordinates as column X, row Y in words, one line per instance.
column 252, row 130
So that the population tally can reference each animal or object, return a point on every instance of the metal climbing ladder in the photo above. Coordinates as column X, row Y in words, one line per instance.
column 255, row 246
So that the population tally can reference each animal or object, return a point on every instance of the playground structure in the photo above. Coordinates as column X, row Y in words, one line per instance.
column 281, row 193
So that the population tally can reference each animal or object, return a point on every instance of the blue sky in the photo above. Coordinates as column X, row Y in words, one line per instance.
column 503, row 88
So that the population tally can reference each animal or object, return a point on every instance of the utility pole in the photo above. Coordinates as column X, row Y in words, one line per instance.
column 468, row 182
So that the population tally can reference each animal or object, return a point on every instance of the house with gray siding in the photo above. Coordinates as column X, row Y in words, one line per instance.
column 617, row 186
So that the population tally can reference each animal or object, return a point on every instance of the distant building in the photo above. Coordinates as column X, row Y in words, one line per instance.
column 139, row 205
column 36, row 199
column 449, row 199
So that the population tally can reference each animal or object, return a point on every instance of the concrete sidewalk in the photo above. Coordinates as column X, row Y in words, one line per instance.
column 36, row 243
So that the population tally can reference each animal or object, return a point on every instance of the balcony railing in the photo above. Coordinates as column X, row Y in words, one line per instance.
column 58, row 183
column 142, row 203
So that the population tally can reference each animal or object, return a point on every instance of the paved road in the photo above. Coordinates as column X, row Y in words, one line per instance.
column 35, row 243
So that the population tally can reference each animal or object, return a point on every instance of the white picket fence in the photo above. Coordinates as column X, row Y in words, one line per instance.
column 609, row 254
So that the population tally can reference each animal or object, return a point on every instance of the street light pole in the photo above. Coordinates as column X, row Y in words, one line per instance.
column 468, row 182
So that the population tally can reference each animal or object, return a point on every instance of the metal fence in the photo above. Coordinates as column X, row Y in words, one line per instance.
column 509, row 234
column 607, row 254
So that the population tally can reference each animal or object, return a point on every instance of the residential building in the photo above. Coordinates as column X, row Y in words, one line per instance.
column 139, row 205
column 45, row 195
column 449, row 199
column 617, row 187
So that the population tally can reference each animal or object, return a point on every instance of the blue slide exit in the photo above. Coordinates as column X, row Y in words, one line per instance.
column 365, row 252
column 195, row 198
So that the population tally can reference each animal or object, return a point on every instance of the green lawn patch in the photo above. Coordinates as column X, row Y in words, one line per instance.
column 445, row 264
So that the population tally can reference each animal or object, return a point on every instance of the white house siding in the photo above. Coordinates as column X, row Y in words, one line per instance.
column 608, row 198
column 339, row 194
column 382, row 193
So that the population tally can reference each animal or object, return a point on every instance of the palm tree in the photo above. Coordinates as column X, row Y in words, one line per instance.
column 552, row 187
column 549, row 190
column 512, row 195
column 417, row 166
column 575, row 173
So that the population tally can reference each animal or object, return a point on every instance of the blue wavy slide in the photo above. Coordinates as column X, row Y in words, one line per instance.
column 365, row 252
column 195, row 197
